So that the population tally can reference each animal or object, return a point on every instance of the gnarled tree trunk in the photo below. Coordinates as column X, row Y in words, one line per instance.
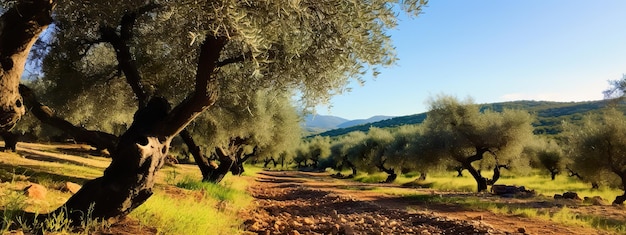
column 10, row 141
column 128, row 181
column 141, row 150
column 467, row 164
column 20, row 27
column 206, row 169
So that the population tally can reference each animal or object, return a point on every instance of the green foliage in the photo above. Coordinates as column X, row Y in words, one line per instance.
column 311, row 46
column 546, row 154
column 598, row 146
column 459, row 130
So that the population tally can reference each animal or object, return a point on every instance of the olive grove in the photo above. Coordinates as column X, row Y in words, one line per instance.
column 117, row 68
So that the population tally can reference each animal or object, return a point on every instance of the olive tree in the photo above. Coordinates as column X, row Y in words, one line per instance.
column 369, row 155
column 342, row 146
column 598, row 149
column 179, row 52
column 547, row 154
column 460, row 131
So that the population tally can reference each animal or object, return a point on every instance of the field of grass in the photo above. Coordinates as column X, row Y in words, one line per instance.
column 541, row 183
column 181, row 204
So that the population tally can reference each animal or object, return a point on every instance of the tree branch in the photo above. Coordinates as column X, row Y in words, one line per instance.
column 98, row 139
column 206, row 89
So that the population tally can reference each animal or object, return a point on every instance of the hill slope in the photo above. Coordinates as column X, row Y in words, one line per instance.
column 549, row 115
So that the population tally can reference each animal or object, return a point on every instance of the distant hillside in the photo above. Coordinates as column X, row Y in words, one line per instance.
column 549, row 115
column 315, row 124
column 363, row 121
column 323, row 121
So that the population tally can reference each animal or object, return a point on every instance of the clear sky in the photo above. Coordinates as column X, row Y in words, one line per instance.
column 493, row 51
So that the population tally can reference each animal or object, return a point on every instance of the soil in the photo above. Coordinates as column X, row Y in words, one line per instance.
column 290, row 202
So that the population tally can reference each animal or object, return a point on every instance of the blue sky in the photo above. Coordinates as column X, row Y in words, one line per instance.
column 495, row 51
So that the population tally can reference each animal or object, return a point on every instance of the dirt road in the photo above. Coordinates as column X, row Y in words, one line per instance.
column 291, row 202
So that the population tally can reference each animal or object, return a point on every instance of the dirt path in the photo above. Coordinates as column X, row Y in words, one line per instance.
column 314, row 203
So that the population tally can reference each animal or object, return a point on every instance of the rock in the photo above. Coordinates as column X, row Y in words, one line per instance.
column 308, row 221
column 571, row 195
column 424, row 232
column 35, row 191
column 70, row 187
column 596, row 201
column 347, row 229
column 558, row 196
column 294, row 232
column 295, row 224
column 521, row 230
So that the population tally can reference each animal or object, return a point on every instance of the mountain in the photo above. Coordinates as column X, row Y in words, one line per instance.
column 549, row 115
column 363, row 121
column 315, row 124
column 322, row 122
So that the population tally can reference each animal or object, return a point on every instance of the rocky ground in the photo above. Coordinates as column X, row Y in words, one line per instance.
column 314, row 203
column 286, row 206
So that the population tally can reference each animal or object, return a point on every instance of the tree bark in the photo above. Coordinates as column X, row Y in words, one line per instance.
column 391, row 174
column 201, row 160
column 141, row 150
column 20, row 27
column 10, row 141
column 226, row 162
column 467, row 164
column 496, row 174
column 98, row 139
column 553, row 173
column 128, row 181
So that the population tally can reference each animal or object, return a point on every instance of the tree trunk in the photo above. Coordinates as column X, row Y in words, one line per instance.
column 10, row 141
column 422, row 176
column 201, row 161
column 459, row 171
column 20, row 28
column 553, row 174
column 391, row 174
column 496, row 174
column 480, row 180
column 226, row 162
column 129, row 180
column 141, row 150
column 619, row 200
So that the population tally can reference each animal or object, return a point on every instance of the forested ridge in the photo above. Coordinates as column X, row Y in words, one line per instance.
column 549, row 115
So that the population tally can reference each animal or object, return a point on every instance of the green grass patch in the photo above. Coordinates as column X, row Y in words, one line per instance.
column 186, row 216
column 211, row 190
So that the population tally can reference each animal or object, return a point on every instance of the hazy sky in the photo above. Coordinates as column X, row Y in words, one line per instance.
column 496, row 51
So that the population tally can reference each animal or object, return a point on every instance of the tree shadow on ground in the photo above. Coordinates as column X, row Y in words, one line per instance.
column 36, row 174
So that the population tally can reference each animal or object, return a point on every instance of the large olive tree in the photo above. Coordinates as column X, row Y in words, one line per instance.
column 180, row 52
column 598, row 149
column 460, row 131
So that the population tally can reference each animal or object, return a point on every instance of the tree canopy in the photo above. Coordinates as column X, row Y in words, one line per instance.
column 100, row 57
column 597, row 149
column 461, row 132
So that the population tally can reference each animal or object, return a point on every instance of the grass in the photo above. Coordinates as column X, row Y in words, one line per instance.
column 200, row 208
column 542, row 184
column 562, row 215
column 204, row 208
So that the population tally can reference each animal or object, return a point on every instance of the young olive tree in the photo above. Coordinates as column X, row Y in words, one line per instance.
column 180, row 52
column 547, row 154
column 340, row 149
column 459, row 131
column 370, row 156
column 598, row 149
